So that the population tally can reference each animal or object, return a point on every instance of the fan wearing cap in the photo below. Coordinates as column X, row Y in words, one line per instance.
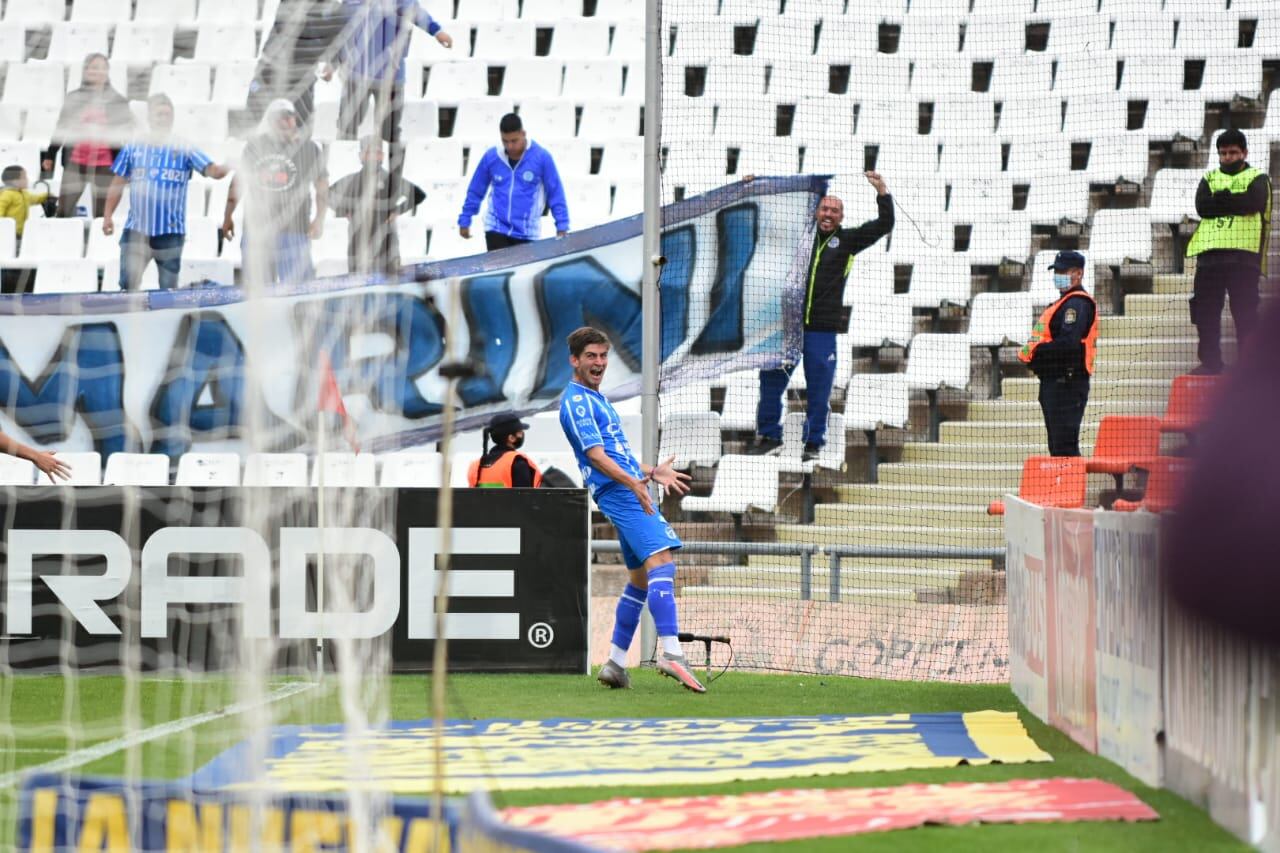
column 1061, row 352
column 503, row 466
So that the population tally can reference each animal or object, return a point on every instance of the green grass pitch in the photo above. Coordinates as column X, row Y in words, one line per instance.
column 36, row 706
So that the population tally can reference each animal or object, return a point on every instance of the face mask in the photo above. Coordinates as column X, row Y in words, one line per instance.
column 519, row 443
column 1062, row 282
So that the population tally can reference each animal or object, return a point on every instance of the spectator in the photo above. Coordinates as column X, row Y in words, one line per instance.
column 515, row 215
column 367, row 199
column 1230, row 247
column 157, row 172
column 94, row 124
column 373, row 58
column 279, row 169
column 503, row 466
column 16, row 199
column 824, row 318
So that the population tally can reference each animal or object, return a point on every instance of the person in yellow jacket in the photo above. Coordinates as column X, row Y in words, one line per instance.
column 503, row 465
column 1230, row 247
column 1061, row 352
column 16, row 199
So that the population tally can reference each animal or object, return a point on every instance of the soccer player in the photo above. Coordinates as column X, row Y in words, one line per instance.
column 617, row 483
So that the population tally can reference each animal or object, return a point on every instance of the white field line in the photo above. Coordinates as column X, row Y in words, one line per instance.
column 81, row 757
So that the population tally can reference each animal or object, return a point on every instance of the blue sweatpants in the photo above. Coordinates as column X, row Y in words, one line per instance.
column 819, row 374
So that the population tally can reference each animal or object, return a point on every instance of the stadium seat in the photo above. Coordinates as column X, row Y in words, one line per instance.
column 70, row 42
column 998, row 319
column 845, row 37
column 231, row 83
column 831, row 457
column 872, row 401
column 202, row 271
column 1165, row 475
column 86, row 468
column 592, row 78
column 925, row 37
column 588, row 201
column 742, row 482
column 101, row 11
column 1226, row 77
column 227, row 11
column 184, row 83
column 66, row 275
column 939, row 279
column 1117, row 236
column 1090, row 116
column 692, row 437
column 208, row 469
column 478, row 118
column 1085, row 77
column 451, row 82
column 1189, row 403
column 36, row 11
column 1173, row 195
column 1050, row 481
column 1149, row 76
column 1117, row 156
column 13, row 43
column 550, row 11
column 964, row 116
column 994, row 36
column 25, row 154
column 489, row 10
column 623, row 160
column 276, row 469
column 410, row 469
column 56, row 239
column 1124, row 442
column 1051, row 200
column 438, row 159
column 18, row 472
column 1172, row 116
column 741, row 398
column 222, row 42
column 503, row 40
column 562, row 460
column 412, row 232
column 609, row 119
column 8, row 239
column 35, row 84
column 142, row 44
column 1021, row 76
column 200, row 121
column 878, row 321
column 539, row 77
column 548, row 117
column 580, row 38
column 181, row 12
column 345, row 470
column 136, row 469
column 1135, row 35
column 938, row 361
column 1031, row 124
column 733, row 78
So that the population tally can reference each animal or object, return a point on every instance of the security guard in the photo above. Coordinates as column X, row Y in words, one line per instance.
column 1061, row 351
column 503, row 466
column 1230, row 247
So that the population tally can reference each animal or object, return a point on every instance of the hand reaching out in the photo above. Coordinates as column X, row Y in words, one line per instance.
column 668, row 478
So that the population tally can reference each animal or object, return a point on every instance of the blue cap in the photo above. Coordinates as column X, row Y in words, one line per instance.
column 1067, row 260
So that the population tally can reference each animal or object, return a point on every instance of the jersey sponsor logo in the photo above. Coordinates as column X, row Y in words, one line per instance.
column 577, row 398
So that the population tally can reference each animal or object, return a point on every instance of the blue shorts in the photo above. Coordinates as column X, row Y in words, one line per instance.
column 641, row 535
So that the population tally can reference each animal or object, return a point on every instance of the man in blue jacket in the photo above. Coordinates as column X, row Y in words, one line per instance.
column 524, row 182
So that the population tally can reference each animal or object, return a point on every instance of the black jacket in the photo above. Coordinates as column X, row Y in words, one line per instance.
column 68, row 130
column 1225, row 203
column 824, row 309
column 1064, row 355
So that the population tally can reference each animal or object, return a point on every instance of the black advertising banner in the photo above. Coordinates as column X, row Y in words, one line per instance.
column 166, row 579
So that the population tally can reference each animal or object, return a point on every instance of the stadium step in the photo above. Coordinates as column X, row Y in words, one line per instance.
column 930, row 452
column 1172, row 283
column 1156, row 305
column 993, row 477
column 1134, row 350
column 1148, row 326
column 1145, row 390
column 894, row 536
column 1005, row 432
column 983, row 411
column 935, row 515
column 900, row 494
column 857, row 595
column 1162, row 368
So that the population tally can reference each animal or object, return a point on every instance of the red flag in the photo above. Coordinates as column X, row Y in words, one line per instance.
column 331, row 401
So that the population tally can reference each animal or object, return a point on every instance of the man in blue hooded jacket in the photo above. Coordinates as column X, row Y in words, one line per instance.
column 524, row 181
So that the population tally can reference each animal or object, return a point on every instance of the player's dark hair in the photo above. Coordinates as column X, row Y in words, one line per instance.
column 1233, row 137
column 11, row 174
column 580, row 339
column 510, row 123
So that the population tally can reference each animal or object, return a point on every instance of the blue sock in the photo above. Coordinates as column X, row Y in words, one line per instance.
column 627, row 616
column 662, row 599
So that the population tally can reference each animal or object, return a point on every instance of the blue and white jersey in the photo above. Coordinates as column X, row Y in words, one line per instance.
column 158, row 177
column 589, row 420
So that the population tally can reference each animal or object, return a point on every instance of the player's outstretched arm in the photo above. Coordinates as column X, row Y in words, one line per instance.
column 667, row 477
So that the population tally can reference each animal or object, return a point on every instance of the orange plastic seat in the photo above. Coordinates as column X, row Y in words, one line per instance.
column 1050, row 481
column 1189, row 402
column 1123, row 442
column 1164, row 480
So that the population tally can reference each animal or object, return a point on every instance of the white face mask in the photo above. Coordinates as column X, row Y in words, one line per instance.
column 1062, row 282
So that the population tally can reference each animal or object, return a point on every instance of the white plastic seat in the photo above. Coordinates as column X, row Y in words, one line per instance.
column 200, row 121
column 86, row 468
column 1029, row 120
column 1042, row 291
column 1119, row 235
column 451, row 82
column 71, row 42
column 878, row 321
column 843, row 37
column 588, row 201
column 1031, row 160
column 52, row 239
column 489, row 10
column 1136, row 34
column 994, row 36
column 693, row 438
column 608, row 119
column 968, row 115
column 345, row 470
column 1086, row 77
column 550, row 117
column 410, row 469
column 478, row 118
column 551, row 11
column 35, row 11
column 771, row 157
column 938, row 361
column 1021, row 76
column 592, row 78
column 412, row 233
column 136, row 469
column 929, row 36
column 221, row 42
column 938, row 280
column 8, row 239
column 693, row 398
column 1173, row 195
column 199, row 271
column 208, row 469
column 142, row 44
column 926, row 236
column 184, row 83
column 742, row 482
column 580, row 38
column 831, row 456
column 940, row 77
column 66, row 275
column 227, row 11
column 101, row 11
column 164, row 11
column 873, row 400
column 1177, row 115
column 741, row 399
column 503, row 40
column 34, row 84
column 436, row 158
column 231, row 83
column 623, row 160
column 539, row 77
column 276, row 469
column 333, row 246
column 1146, row 76
column 1099, row 115
column 1121, row 155
column 446, row 242
column 17, row 472
column 24, row 154
column 1077, row 34
column 993, row 241
column 978, row 198
column 563, row 461
column 1228, row 76
column 996, row 319
column 1051, row 199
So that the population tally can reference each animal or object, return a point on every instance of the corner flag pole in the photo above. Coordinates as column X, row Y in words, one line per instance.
column 651, row 333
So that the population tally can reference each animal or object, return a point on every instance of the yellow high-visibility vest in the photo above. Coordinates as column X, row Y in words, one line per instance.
column 1245, row 233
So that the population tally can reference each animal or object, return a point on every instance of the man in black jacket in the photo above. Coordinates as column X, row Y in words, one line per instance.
column 824, row 316
column 1230, row 247
column 371, row 204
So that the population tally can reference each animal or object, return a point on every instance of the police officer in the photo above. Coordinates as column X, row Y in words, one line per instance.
column 1061, row 351
column 1230, row 247
column 503, row 466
